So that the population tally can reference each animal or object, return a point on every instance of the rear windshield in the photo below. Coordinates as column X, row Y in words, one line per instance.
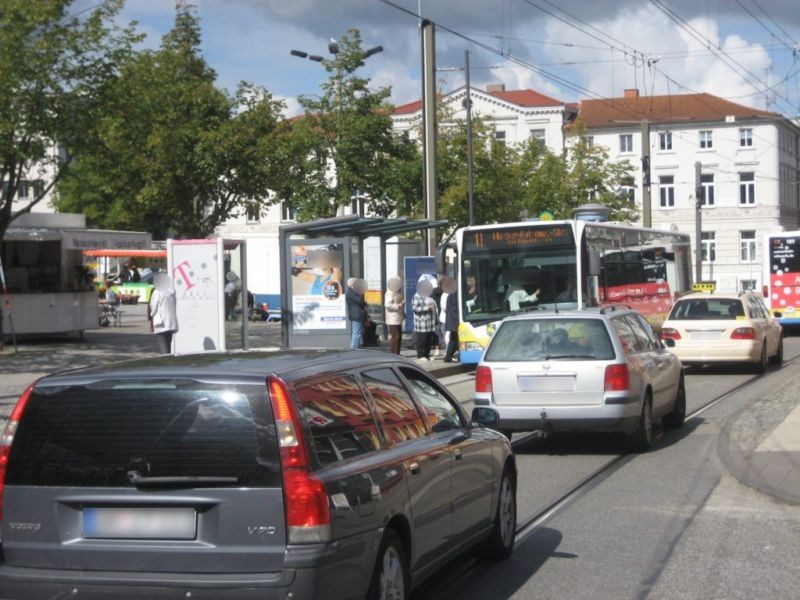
column 102, row 435
column 707, row 308
column 541, row 339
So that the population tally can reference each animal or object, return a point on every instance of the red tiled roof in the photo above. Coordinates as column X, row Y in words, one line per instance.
column 526, row 98
column 678, row 108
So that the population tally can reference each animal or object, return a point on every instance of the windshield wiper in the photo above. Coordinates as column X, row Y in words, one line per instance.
column 570, row 355
column 180, row 480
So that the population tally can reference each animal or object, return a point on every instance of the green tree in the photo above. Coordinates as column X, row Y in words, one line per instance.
column 346, row 146
column 55, row 69
column 176, row 155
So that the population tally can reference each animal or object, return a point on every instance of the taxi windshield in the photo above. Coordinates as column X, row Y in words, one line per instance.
column 708, row 308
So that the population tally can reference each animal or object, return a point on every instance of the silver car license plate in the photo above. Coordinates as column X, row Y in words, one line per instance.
column 546, row 383
column 140, row 523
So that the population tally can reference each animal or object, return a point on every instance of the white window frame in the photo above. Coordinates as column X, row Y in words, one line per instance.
column 665, row 141
column 747, row 188
column 625, row 143
column 253, row 213
column 708, row 244
column 288, row 214
column 707, row 187
column 23, row 189
column 500, row 136
column 746, row 137
column 539, row 136
column 666, row 191
column 748, row 285
column 706, row 139
column 747, row 246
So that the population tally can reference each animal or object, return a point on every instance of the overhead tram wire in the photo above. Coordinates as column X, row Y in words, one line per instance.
column 764, row 25
column 530, row 66
column 719, row 52
column 776, row 23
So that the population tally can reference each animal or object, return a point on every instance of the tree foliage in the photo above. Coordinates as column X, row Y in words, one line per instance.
column 175, row 154
column 55, row 69
column 515, row 182
column 347, row 146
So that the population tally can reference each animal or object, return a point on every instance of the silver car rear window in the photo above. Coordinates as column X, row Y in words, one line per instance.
column 541, row 339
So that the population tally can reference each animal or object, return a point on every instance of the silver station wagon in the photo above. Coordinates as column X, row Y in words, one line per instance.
column 299, row 475
column 589, row 370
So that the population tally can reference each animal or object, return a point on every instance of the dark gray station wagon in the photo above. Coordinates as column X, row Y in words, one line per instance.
column 258, row 475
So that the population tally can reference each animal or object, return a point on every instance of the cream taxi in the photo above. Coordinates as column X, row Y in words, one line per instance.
column 711, row 327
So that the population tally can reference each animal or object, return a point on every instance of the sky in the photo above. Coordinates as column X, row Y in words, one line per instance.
column 747, row 51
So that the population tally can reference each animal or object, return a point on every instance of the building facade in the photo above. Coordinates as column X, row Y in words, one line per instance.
column 749, row 173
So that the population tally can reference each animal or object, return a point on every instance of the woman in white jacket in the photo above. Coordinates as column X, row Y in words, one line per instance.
column 163, row 312
column 395, row 307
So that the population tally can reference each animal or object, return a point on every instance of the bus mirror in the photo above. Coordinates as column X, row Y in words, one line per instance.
column 441, row 258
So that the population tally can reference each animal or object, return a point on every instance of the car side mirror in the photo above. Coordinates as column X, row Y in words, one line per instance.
column 487, row 417
column 668, row 342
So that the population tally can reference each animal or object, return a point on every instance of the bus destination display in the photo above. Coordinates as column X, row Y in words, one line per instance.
column 784, row 256
column 519, row 238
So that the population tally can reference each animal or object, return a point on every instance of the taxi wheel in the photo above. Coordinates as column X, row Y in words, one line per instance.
column 763, row 363
column 778, row 358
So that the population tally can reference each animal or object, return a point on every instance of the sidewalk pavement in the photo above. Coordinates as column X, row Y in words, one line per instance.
column 760, row 444
column 132, row 339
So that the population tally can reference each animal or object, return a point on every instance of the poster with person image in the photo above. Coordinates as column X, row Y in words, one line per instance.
column 317, row 291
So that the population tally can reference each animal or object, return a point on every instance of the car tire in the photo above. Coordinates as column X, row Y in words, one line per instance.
column 641, row 439
column 390, row 579
column 675, row 418
column 500, row 543
column 778, row 358
column 763, row 362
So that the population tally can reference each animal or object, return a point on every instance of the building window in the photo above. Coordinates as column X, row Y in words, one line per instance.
column 589, row 139
column 747, row 285
column 746, row 137
column 253, row 212
column 627, row 190
column 666, row 191
column 706, row 141
column 500, row 137
column 625, row 143
column 709, row 246
column 538, row 136
column 288, row 213
column 747, row 188
column 747, row 246
column 358, row 206
column 665, row 140
column 707, row 189
column 38, row 188
column 22, row 190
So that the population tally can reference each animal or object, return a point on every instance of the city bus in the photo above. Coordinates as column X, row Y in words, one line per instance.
column 781, row 276
column 508, row 268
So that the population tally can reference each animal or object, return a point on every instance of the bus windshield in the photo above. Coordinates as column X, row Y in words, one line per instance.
column 516, row 269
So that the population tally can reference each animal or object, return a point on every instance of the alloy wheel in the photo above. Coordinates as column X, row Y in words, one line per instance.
column 392, row 578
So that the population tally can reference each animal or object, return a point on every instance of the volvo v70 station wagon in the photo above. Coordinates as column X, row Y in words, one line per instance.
column 271, row 475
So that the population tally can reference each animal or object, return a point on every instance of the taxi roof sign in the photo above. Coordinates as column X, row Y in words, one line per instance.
column 704, row 286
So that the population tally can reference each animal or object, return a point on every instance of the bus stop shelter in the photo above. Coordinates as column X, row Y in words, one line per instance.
column 317, row 258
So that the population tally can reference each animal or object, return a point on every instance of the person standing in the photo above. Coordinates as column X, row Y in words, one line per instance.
column 356, row 310
column 395, row 309
column 450, row 320
column 424, row 309
column 163, row 312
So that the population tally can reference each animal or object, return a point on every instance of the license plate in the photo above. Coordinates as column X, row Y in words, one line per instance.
column 546, row 383
column 140, row 523
column 706, row 336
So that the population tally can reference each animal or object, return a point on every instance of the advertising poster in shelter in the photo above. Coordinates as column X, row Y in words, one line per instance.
column 317, row 286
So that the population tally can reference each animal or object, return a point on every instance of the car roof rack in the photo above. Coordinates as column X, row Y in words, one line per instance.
column 614, row 308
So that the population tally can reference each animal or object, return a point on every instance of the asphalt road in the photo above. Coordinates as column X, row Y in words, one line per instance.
column 671, row 523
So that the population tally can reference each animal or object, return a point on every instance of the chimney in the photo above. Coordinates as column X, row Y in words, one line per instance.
column 632, row 93
column 496, row 87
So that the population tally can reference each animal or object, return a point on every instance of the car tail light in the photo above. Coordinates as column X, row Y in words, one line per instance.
column 743, row 333
column 8, row 438
column 765, row 291
column 483, row 379
column 308, row 515
column 668, row 333
column 617, row 379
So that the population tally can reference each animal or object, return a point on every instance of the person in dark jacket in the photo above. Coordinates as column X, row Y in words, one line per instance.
column 451, row 318
column 356, row 309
